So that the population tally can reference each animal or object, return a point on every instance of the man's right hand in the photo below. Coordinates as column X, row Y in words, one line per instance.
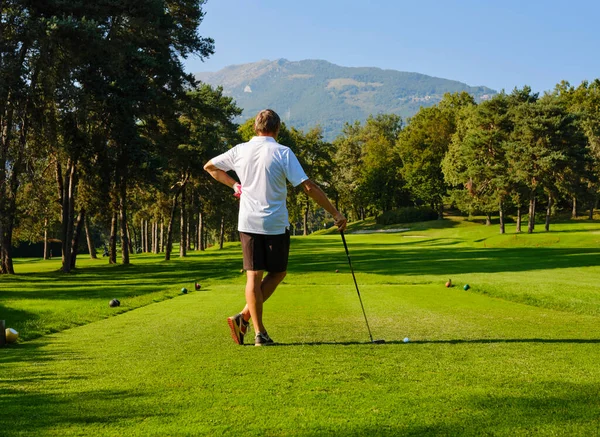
column 237, row 190
column 340, row 221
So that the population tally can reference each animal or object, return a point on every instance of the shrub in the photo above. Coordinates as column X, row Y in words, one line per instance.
column 406, row 215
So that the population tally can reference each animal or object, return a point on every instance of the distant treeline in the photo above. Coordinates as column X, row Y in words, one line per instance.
column 509, row 154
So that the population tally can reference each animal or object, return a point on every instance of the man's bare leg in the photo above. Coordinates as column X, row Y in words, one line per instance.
column 254, row 298
column 267, row 287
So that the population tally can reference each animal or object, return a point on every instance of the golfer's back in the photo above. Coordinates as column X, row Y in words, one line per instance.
column 263, row 166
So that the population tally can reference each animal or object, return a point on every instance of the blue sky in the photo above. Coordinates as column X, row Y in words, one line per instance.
column 500, row 44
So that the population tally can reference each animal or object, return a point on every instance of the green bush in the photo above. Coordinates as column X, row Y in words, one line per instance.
column 406, row 215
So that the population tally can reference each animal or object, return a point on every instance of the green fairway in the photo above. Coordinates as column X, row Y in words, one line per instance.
column 517, row 354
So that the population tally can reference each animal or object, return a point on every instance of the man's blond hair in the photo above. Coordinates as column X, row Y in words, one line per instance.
column 267, row 122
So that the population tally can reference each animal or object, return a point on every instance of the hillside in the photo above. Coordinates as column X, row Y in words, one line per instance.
column 311, row 92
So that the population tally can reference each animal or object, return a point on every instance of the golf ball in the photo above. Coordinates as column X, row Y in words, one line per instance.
column 406, row 340
column 11, row 335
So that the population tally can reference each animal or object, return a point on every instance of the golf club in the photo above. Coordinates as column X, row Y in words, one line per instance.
column 357, row 291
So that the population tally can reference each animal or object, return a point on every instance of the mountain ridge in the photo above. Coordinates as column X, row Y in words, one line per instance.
column 316, row 92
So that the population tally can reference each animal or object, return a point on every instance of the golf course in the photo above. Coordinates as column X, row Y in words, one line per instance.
column 516, row 354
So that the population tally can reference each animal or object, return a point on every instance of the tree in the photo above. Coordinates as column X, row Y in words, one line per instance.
column 146, row 79
column 476, row 158
column 204, row 129
column 20, row 66
column 545, row 147
column 349, row 170
column 422, row 146
column 95, row 100
column 585, row 102
column 381, row 174
column 367, row 175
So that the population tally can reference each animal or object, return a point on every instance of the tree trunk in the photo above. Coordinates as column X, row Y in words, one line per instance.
column 305, row 218
column 141, row 245
column 519, row 218
column 148, row 235
column 46, row 238
column 129, row 240
column 112, row 250
column 205, row 236
column 591, row 214
column 152, row 236
column 159, row 235
column 488, row 219
column 574, row 209
column 90, row 240
column 531, row 221
column 136, row 243
column 170, row 228
column 76, row 236
column 162, row 235
column 155, row 246
column 6, row 262
column 188, row 236
column 191, row 226
column 548, row 212
column 68, row 212
column 200, row 232
column 5, row 139
column 501, row 214
column 183, row 227
column 440, row 210
column 222, row 233
column 123, row 219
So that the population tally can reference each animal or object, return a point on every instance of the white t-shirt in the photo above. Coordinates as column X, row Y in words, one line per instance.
column 263, row 165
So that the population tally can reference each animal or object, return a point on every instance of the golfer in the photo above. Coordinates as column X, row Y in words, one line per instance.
column 263, row 165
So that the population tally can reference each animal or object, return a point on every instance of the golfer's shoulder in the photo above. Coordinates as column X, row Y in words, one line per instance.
column 280, row 150
column 283, row 149
column 239, row 148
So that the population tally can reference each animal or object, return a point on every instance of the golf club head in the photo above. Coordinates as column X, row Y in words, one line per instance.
column 380, row 341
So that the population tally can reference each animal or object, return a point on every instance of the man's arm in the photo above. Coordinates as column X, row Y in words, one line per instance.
column 222, row 177
column 316, row 193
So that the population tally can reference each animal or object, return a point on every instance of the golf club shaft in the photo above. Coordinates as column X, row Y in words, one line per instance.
column 356, row 285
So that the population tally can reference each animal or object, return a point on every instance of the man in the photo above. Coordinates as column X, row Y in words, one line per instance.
column 263, row 166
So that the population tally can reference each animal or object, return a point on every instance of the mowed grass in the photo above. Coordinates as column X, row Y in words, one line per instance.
column 517, row 354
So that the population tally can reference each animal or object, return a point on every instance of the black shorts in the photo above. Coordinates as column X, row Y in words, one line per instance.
column 265, row 252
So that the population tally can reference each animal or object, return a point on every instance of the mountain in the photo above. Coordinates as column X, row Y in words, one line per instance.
column 311, row 92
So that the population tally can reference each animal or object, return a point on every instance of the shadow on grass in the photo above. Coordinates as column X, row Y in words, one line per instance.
column 475, row 341
column 418, row 226
column 23, row 352
column 36, row 413
column 14, row 318
column 147, row 279
column 34, row 398
column 565, row 409
column 400, row 258
column 132, row 280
